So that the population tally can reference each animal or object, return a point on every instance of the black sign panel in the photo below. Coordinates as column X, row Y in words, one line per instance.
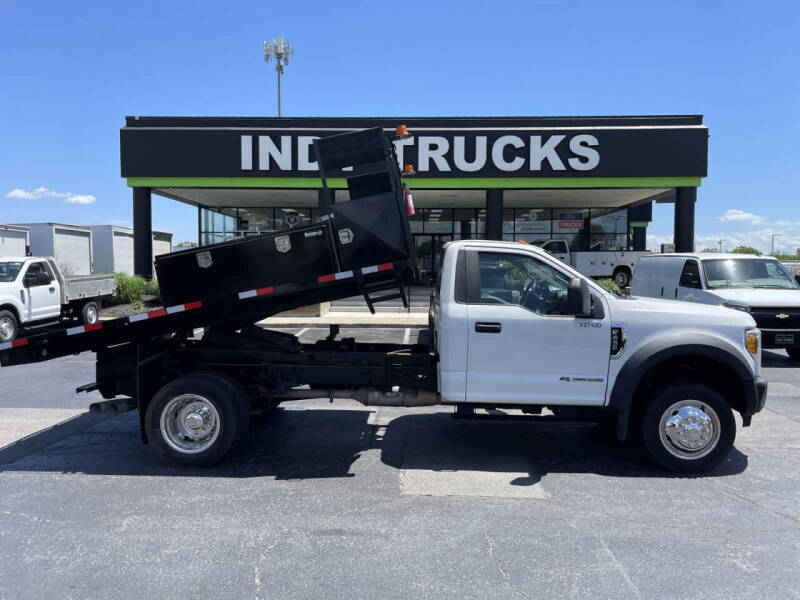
column 672, row 151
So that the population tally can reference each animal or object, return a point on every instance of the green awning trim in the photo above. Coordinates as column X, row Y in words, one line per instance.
column 638, row 223
column 460, row 183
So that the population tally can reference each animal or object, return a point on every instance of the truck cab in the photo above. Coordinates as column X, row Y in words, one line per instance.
column 758, row 285
column 29, row 291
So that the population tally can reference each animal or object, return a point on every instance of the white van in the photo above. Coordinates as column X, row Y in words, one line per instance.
column 760, row 285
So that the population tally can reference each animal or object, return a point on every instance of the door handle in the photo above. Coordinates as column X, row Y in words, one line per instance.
column 52, row 289
column 487, row 327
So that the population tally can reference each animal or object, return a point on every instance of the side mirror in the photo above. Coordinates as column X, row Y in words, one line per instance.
column 579, row 300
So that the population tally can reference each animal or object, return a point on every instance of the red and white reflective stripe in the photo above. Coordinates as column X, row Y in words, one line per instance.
column 376, row 268
column 182, row 307
column 14, row 344
column 335, row 276
column 83, row 328
column 148, row 315
column 259, row 292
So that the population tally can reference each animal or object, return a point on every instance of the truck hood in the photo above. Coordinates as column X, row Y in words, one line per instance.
column 767, row 297
column 677, row 312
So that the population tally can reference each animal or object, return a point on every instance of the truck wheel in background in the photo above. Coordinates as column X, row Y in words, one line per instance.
column 622, row 276
column 688, row 427
column 90, row 313
column 8, row 326
column 194, row 420
column 794, row 353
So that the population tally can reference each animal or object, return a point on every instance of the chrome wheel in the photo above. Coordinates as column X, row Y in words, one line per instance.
column 621, row 278
column 689, row 429
column 6, row 329
column 190, row 423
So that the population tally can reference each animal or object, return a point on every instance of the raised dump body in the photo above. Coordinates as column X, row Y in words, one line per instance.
column 363, row 246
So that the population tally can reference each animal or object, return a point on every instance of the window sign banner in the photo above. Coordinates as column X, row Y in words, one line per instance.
column 570, row 220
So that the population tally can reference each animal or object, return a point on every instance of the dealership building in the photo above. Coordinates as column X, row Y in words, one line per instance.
column 589, row 180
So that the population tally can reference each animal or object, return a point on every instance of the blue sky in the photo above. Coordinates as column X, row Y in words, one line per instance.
column 70, row 72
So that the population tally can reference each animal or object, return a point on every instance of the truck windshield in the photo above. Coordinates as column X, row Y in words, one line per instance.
column 747, row 272
column 9, row 271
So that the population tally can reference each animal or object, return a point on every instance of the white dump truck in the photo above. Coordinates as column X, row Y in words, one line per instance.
column 511, row 327
column 34, row 291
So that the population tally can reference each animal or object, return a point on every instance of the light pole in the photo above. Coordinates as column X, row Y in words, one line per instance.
column 773, row 236
column 720, row 245
column 281, row 51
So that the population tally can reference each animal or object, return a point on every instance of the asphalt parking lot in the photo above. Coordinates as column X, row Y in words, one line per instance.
column 344, row 501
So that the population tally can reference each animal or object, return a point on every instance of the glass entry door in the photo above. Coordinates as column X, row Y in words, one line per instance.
column 429, row 256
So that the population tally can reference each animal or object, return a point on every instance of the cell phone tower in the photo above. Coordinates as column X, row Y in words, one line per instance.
column 281, row 51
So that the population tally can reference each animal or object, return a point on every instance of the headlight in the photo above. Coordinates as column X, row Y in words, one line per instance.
column 742, row 307
column 751, row 339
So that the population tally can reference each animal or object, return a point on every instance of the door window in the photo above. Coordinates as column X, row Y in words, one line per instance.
column 508, row 278
column 33, row 276
column 690, row 276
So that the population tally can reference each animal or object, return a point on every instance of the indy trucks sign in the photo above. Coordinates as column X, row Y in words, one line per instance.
column 506, row 152
column 440, row 154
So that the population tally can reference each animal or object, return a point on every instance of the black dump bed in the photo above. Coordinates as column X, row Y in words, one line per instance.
column 363, row 246
column 369, row 229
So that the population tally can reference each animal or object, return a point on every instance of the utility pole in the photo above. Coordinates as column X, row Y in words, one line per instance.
column 281, row 52
column 773, row 236
column 720, row 245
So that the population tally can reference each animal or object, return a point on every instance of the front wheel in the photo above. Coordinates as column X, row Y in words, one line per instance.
column 689, row 428
column 8, row 326
column 622, row 277
column 194, row 420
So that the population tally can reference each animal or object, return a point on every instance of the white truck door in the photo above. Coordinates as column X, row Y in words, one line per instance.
column 522, row 346
column 41, row 291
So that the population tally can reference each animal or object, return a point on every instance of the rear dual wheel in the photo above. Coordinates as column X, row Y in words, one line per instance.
column 196, row 419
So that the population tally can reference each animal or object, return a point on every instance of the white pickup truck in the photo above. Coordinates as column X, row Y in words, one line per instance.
column 617, row 264
column 759, row 285
column 34, row 291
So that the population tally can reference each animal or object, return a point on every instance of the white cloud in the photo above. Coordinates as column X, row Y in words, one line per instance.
column 80, row 199
column 740, row 215
column 43, row 192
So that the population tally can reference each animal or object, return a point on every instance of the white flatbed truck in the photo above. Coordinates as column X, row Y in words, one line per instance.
column 34, row 291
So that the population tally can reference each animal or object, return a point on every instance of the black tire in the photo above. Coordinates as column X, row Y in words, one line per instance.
column 794, row 353
column 90, row 313
column 9, row 328
column 622, row 277
column 676, row 455
column 211, row 393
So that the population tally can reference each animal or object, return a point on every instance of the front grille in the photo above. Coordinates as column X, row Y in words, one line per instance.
column 767, row 317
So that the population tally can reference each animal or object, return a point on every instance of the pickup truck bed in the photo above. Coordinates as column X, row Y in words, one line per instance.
column 87, row 286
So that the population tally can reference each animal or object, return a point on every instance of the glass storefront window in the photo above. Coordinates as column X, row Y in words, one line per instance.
column 415, row 221
column 609, row 220
column 465, row 226
column 610, row 241
column 532, row 223
column 438, row 220
column 256, row 220
column 508, row 224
